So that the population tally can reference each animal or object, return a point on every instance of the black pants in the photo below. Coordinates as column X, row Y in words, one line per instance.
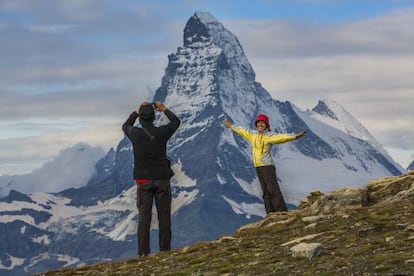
column 146, row 192
column 272, row 196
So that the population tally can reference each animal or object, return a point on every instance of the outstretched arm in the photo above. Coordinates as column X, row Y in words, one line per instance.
column 243, row 132
column 283, row 138
column 227, row 123
column 300, row 134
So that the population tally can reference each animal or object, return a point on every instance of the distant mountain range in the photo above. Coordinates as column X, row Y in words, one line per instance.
column 73, row 167
column 215, row 188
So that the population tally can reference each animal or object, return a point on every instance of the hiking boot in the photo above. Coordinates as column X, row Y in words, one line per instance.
column 142, row 255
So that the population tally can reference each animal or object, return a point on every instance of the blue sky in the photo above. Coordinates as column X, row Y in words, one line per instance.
column 329, row 11
column 71, row 71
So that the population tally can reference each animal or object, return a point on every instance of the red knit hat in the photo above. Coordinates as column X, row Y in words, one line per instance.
column 264, row 118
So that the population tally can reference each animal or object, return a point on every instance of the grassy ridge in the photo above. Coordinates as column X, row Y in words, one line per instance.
column 375, row 239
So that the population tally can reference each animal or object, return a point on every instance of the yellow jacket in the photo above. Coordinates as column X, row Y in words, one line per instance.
column 262, row 144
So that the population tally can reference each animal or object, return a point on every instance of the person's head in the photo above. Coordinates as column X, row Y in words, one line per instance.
column 146, row 113
column 262, row 122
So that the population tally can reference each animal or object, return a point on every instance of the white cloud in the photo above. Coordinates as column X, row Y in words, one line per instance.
column 33, row 151
column 72, row 168
column 52, row 29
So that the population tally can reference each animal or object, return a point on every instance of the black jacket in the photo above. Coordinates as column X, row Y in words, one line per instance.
column 150, row 155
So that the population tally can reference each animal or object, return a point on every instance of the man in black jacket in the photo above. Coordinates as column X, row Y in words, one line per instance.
column 152, row 172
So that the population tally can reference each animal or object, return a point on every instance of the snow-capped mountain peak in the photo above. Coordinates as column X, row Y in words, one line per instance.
column 333, row 114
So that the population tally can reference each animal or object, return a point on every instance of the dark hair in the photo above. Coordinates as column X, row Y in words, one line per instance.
column 146, row 112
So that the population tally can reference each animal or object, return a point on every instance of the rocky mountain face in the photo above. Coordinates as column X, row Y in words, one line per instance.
column 350, row 231
column 215, row 189
column 411, row 166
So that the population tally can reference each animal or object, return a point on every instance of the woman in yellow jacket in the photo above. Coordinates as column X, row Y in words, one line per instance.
column 262, row 140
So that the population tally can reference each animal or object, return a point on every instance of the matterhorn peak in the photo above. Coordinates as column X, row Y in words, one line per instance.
column 206, row 72
column 206, row 17
column 199, row 27
column 203, row 28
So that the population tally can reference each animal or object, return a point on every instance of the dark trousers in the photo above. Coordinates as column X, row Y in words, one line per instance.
column 272, row 196
column 160, row 190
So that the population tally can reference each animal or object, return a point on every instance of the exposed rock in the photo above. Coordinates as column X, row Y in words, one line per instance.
column 301, row 239
column 312, row 218
column 336, row 202
column 307, row 250
column 226, row 239
column 271, row 219
column 391, row 188
column 341, row 201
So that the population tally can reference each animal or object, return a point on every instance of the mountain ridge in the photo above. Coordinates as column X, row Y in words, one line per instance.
column 347, row 231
